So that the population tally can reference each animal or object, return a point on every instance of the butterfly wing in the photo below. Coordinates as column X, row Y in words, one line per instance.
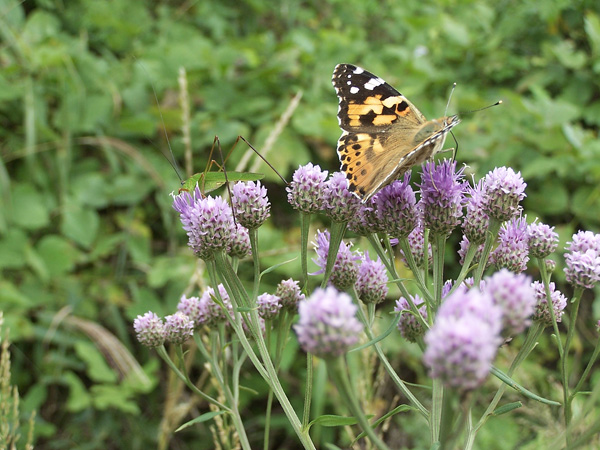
column 382, row 132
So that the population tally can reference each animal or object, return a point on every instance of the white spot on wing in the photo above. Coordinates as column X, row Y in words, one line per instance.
column 373, row 83
column 354, row 90
column 359, row 70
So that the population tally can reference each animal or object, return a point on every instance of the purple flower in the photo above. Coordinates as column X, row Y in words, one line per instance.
column 207, row 221
column 442, row 196
column 504, row 189
column 472, row 302
column 193, row 308
column 340, row 204
column 396, row 210
column 515, row 297
column 371, row 283
column 268, row 306
column 178, row 328
column 289, row 293
column 211, row 313
column 464, row 339
column 345, row 268
column 410, row 328
column 513, row 249
column 149, row 330
column 476, row 221
column 251, row 205
column 559, row 303
column 584, row 241
column 327, row 326
column 416, row 241
column 366, row 220
column 583, row 259
column 542, row 240
column 240, row 244
column 305, row 192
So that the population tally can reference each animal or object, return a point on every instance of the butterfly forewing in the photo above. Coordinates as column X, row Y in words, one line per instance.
column 383, row 134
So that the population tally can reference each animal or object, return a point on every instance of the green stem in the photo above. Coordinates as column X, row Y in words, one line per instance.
column 339, row 373
column 338, row 229
column 439, row 244
column 565, row 375
column 304, row 227
column 162, row 352
column 437, row 398
column 266, row 368
column 254, row 245
column 466, row 267
column 308, row 391
column 546, row 281
column 490, row 238
column 386, row 364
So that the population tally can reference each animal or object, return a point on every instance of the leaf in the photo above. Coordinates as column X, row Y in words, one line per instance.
column 112, row 396
column 12, row 249
column 29, row 210
column 200, row 419
column 80, row 225
column 58, row 255
column 97, row 368
column 507, row 408
column 79, row 398
column 330, row 420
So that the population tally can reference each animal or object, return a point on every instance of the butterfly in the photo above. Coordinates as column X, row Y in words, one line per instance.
column 383, row 134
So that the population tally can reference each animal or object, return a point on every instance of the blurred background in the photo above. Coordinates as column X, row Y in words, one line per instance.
column 91, row 90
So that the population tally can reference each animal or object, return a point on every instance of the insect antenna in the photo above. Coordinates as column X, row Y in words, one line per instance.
column 499, row 102
column 218, row 142
column 449, row 98
column 262, row 157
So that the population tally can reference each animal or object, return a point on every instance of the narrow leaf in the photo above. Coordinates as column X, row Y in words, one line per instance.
column 202, row 418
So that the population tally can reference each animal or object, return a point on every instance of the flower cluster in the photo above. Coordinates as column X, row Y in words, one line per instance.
column 371, row 284
column 542, row 313
column 208, row 222
column 340, row 205
column 515, row 297
column 476, row 220
column 251, row 205
column 305, row 192
column 442, row 196
column 464, row 339
column 583, row 260
column 345, row 268
column 150, row 330
column 504, row 189
column 268, row 306
column 513, row 248
column 542, row 240
column 410, row 327
column 395, row 207
column 289, row 293
column 327, row 326
column 178, row 328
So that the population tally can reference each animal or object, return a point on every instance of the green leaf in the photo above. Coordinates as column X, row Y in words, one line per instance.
column 12, row 249
column 382, row 336
column 111, row 396
column 81, row 225
column 79, row 398
column 97, row 368
column 29, row 210
column 329, row 420
column 58, row 255
column 202, row 418
column 507, row 408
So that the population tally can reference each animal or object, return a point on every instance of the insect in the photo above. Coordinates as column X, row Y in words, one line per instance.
column 208, row 181
column 383, row 134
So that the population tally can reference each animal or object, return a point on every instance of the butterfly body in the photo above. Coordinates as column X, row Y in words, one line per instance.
column 383, row 134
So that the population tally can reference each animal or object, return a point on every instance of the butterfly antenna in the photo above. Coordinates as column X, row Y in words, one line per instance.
column 263, row 158
column 449, row 98
column 499, row 102
column 172, row 161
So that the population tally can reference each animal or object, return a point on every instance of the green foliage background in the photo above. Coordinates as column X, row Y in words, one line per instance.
column 87, row 235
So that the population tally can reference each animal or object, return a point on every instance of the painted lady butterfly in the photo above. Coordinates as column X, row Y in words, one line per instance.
column 383, row 134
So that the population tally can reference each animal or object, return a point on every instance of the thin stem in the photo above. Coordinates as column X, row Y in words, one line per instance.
column 565, row 375
column 304, row 227
column 490, row 238
column 253, row 234
column 308, row 391
column 339, row 373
